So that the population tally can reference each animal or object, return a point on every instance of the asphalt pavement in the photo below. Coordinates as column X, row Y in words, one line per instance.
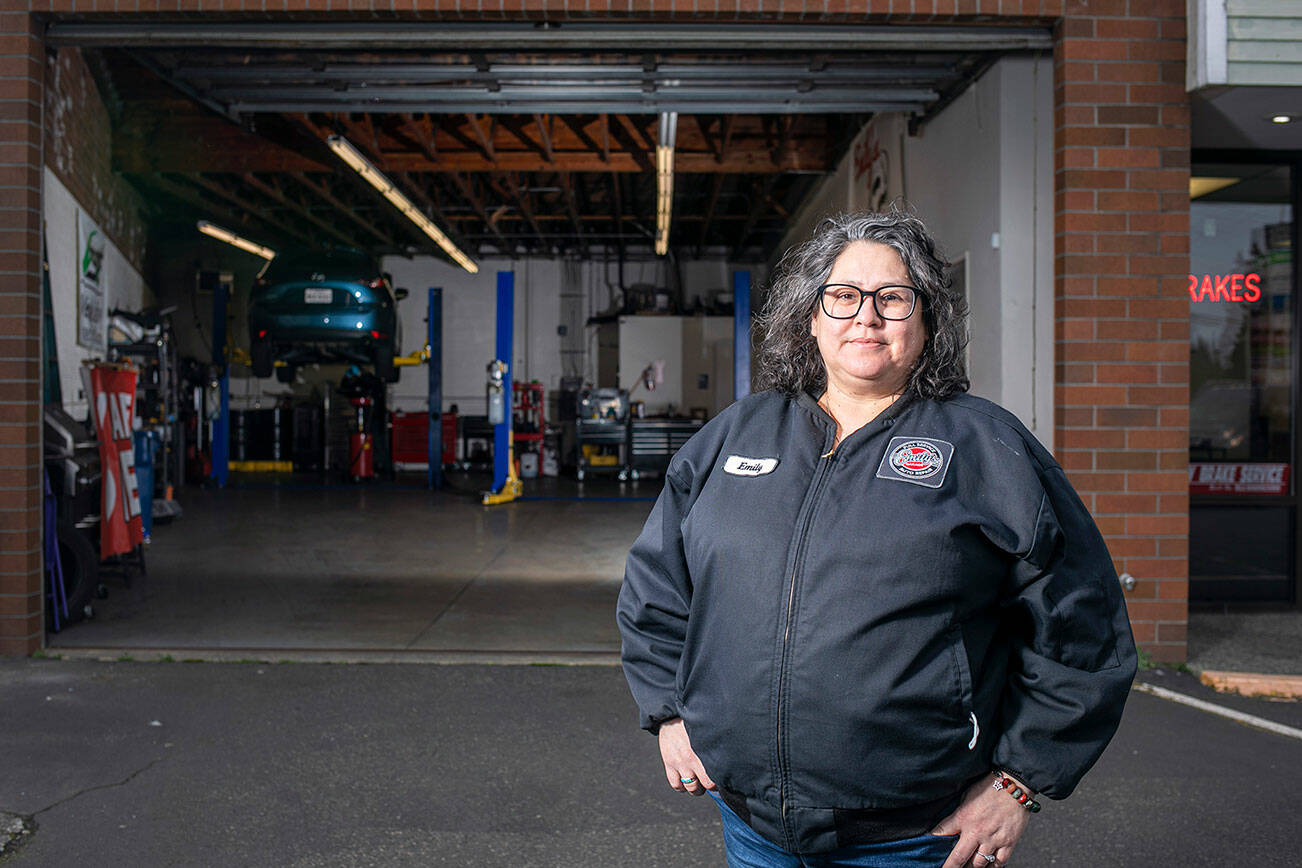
column 291, row 764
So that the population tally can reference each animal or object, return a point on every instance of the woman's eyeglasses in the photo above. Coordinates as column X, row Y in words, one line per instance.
column 842, row 301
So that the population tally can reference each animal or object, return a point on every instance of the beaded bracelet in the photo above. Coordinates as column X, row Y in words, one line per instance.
column 1022, row 796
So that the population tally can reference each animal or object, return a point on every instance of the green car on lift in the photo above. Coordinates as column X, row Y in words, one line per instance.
column 324, row 306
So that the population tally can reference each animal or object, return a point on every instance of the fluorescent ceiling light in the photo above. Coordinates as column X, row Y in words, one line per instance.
column 1281, row 119
column 665, row 178
column 1202, row 186
column 231, row 238
column 388, row 190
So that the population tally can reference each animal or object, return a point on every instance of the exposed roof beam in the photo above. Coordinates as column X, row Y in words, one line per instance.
column 422, row 133
column 755, row 211
column 576, row 126
column 617, row 204
column 348, row 211
column 541, row 219
column 567, row 189
column 255, row 209
column 638, row 133
column 157, row 69
column 785, row 124
column 468, row 193
column 805, row 156
column 544, row 122
column 516, row 128
column 778, row 207
column 232, row 220
column 632, row 148
column 508, row 186
column 362, row 135
column 703, row 124
column 420, row 195
column 709, row 212
column 325, row 225
column 485, row 139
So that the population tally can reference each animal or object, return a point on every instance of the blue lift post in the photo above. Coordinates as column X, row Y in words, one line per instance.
column 505, row 352
column 221, row 426
column 740, row 334
column 434, row 338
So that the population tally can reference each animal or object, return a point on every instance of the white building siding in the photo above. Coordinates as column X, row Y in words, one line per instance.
column 1264, row 44
column 1245, row 42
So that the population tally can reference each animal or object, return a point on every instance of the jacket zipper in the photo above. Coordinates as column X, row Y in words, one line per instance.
column 825, row 461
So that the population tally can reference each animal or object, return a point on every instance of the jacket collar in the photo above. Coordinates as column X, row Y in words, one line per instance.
column 810, row 404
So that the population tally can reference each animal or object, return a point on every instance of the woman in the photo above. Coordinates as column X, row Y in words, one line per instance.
column 868, row 613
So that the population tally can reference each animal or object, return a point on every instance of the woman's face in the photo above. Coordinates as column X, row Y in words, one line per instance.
column 867, row 355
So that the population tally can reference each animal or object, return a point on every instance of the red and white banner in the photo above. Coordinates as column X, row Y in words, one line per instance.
column 1235, row 478
column 113, row 397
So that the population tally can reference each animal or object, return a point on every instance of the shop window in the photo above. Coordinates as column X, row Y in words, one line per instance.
column 1241, row 377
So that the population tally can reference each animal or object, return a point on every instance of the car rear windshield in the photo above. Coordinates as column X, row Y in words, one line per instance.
column 333, row 264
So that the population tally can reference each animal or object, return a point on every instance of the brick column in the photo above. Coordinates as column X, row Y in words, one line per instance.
column 1121, row 306
column 21, row 96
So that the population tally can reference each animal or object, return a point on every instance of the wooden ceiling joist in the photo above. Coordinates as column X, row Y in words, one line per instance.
column 349, row 211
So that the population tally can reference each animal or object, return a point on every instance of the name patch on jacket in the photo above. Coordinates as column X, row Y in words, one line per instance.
column 738, row 465
column 920, row 460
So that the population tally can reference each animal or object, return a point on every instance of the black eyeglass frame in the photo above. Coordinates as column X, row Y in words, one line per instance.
column 864, row 294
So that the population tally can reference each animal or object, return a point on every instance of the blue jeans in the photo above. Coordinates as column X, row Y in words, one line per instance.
column 748, row 849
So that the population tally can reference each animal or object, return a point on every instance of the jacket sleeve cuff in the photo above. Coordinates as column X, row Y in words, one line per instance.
column 651, row 721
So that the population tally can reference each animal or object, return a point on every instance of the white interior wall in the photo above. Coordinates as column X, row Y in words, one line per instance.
column 980, row 174
column 470, row 311
column 124, row 287
column 642, row 341
column 1027, row 208
column 952, row 177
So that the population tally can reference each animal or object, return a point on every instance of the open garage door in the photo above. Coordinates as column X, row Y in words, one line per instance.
column 538, row 149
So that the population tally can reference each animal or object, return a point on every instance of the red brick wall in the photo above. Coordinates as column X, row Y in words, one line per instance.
column 78, row 132
column 1121, row 205
column 21, row 73
column 1121, row 253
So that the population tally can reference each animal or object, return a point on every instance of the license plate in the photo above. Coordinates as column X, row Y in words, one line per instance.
column 318, row 296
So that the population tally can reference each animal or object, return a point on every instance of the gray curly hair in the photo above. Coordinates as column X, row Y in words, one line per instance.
column 789, row 360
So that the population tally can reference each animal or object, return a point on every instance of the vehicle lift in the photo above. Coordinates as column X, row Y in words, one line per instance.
column 506, row 483
column 224, row 353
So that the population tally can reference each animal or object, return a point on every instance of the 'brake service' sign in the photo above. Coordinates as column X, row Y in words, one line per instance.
column 1238, row 478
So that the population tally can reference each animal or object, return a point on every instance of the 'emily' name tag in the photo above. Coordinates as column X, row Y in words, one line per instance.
column 738, row 465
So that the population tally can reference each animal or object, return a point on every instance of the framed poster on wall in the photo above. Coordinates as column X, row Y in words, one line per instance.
column 92, row 332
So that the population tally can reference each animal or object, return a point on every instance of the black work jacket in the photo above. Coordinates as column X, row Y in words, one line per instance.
column 870, row 627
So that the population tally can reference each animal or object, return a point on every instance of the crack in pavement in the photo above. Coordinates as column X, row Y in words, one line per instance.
column 128, row 779
column 17, row 829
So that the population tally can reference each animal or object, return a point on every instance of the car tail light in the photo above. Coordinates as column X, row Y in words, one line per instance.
column 262, row 333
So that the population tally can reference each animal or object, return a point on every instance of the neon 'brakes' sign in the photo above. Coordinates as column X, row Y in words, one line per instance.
column 1225, row 287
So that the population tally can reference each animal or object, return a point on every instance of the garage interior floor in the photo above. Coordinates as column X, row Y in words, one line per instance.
column 377, row 572
column 294, row 570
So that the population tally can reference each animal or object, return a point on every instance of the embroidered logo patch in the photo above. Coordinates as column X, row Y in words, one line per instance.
column 738, row 465
column 920, row 460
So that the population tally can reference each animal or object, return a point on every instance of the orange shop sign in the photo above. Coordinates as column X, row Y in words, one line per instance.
column 1225, row 287
column 1238, row 478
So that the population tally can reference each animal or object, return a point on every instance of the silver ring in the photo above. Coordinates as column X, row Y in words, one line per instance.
column 990, row 860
